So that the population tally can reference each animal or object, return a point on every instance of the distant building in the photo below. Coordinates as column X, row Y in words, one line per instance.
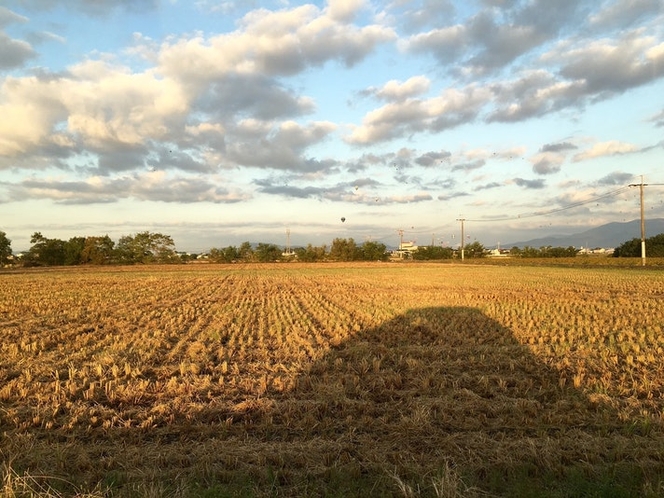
column 406, row 249
column 596, row 250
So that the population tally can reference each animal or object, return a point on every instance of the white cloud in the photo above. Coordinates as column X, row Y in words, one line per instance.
column 344, row 10
column 154, row 186
column 545, row 163
column 620, row 13
column 297, row 136
column 533, row 93
column 275, row 43
column 407, row 199
column 101, row 105
column 8, row 17
column 611, row 65
column 14, row 53
column 204, row 128
column 118, row 106
column 97, row 8
column 261, row 145
column 610, row 148
column 445, row 43
column 29, row 107
column 397, row 119
column 491, row 38
column 396, row 90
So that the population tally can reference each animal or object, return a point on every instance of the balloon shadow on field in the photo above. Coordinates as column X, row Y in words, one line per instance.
column 448, row 395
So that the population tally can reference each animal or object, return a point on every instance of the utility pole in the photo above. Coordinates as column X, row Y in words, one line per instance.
column 643, row 220
column 463, row 237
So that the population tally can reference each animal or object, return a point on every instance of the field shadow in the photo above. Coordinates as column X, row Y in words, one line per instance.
column 438, row 397
column 447, row 394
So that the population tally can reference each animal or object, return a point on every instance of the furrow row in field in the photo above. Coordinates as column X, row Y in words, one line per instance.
column 336, row 312
column 587, row 326
column 113, row 363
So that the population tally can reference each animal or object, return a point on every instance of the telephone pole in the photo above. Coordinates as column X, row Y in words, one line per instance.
column 643, row 220
column 463, row 237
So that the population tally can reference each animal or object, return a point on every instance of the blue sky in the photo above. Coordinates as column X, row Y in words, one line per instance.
column 217, row 122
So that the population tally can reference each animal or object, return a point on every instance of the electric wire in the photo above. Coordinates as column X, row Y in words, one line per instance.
column 547, row 212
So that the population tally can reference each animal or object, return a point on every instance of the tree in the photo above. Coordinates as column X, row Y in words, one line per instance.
column 231, row 254
column 267, row 252
column 73, row 250
column 433, row 252
column 97, row 250
column 544, row 252
column 37, row 238
column 344, row 250
column 163, row 248
column 474, row 250
column 311, row 253
column 632, row 248
column 228, row 254
column 655, row 246
column 374, row 251
column 562, row 252
column 5, row 248
column 185, row 257
column 246, row 252
column 628, row 249
column 46, row 252
column 530, row 252
column 147, row 247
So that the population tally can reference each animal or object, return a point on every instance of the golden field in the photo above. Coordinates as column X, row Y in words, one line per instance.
column 332, row 380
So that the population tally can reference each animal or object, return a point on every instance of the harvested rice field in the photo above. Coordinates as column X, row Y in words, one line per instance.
column 332, row 380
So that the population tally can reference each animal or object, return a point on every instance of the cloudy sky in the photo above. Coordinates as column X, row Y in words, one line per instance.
column 219, row 121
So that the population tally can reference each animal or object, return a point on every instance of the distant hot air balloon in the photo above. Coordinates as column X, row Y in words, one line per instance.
column 343, row 219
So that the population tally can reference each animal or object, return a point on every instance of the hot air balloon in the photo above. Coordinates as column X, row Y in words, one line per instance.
column 343, row 219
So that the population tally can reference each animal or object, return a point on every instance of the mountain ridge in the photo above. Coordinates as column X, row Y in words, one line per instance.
column 609, row 235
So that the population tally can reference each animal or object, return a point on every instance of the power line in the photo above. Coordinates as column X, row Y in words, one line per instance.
column 555, row 210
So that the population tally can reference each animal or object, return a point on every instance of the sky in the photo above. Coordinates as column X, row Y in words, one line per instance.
column 218, row 122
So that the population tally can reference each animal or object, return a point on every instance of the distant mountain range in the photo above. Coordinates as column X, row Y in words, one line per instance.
column 605, row 236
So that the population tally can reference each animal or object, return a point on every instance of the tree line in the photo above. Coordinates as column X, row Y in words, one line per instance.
column 340, row 250
column 428, row 253
column 141, row 248
column 632, row 248
column 544, row 252
column 477, row 250
column 149, row 247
